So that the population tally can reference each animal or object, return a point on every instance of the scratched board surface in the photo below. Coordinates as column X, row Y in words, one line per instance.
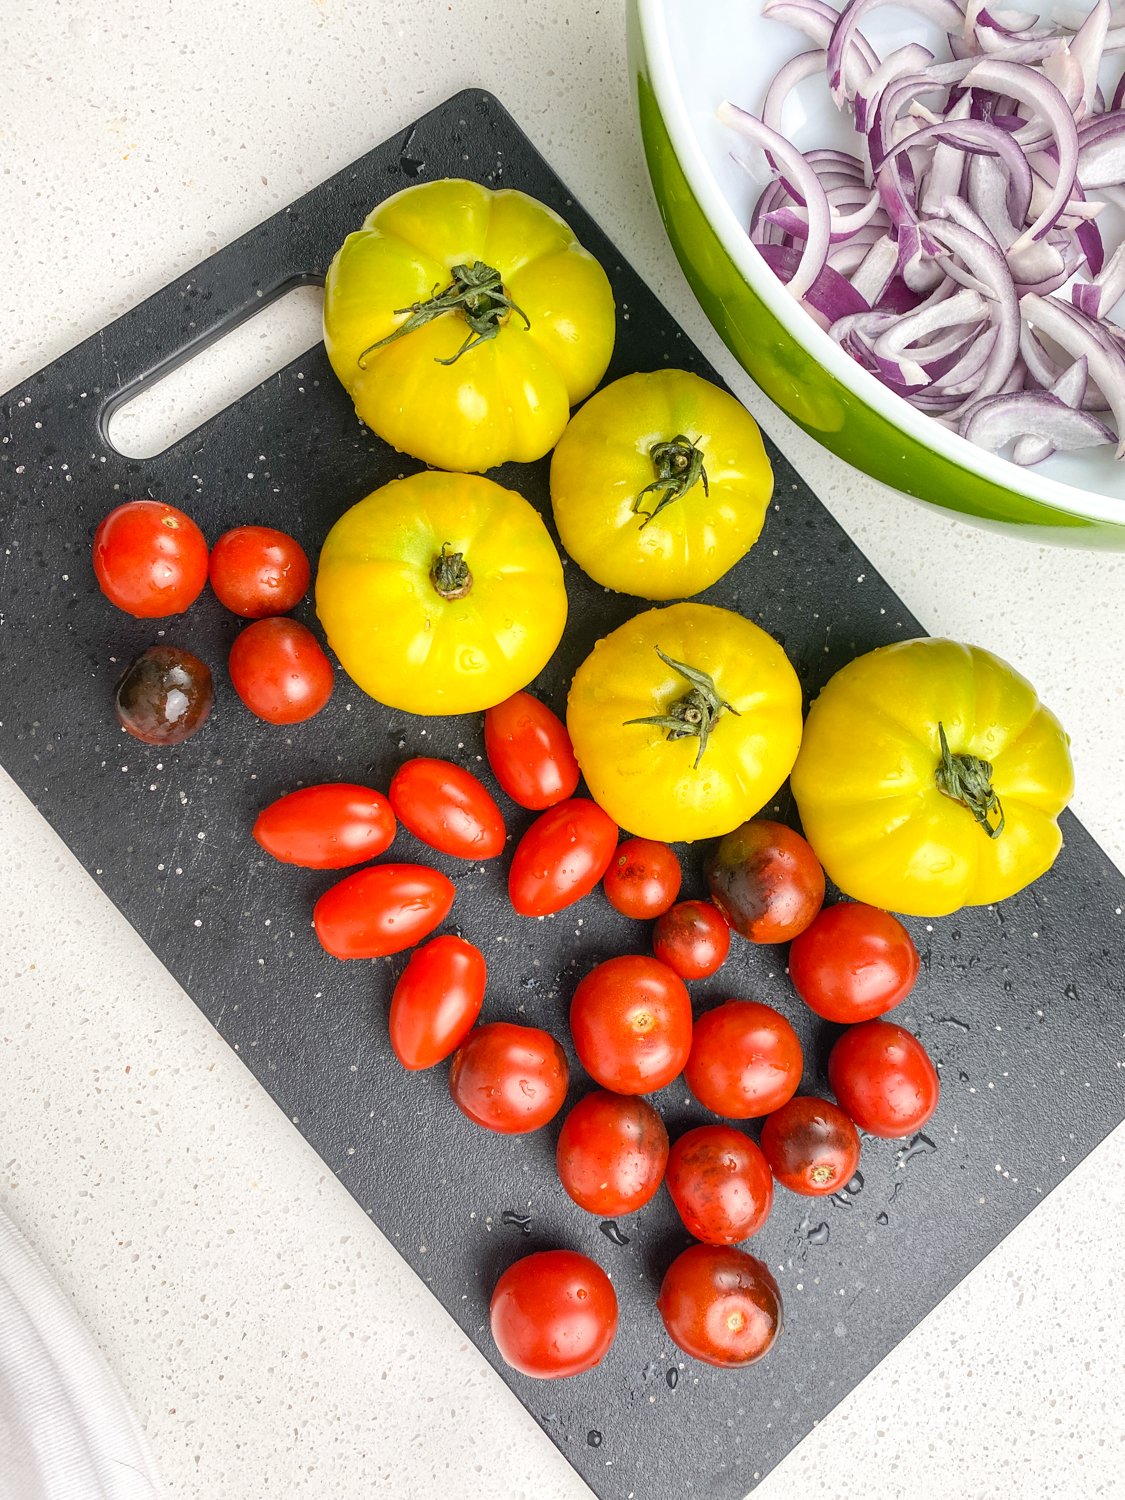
column 1020, row 1005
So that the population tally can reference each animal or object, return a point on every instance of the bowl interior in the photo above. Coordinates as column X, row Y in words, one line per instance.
column 735, row 55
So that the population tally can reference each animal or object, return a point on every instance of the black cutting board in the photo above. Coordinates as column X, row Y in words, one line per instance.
column 1021, row 1006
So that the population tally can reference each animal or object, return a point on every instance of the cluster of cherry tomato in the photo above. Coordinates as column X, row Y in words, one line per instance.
column 631, row 1024
column 151, row 560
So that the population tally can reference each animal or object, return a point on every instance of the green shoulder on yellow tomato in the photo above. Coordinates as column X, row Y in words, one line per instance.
column 931, row 777
column 441, row 593
column 465, row 323
column 660, row 484
column 685, row 721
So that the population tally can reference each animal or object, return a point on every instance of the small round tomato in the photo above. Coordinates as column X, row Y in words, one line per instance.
column 530, row 752
column 326, row 827
column 150, row 559
column 437, row 1001
column 382, row 910
column 884, row 1079
column 720, row 1183
column 447, row 807
column 692, row 938
column 853, row 963
column 509, row 1078
column 812, row 1147
column 720, row 1305
column 257, row 571
column 611, row 1154
column 745, row 1060
column 561, row 857
column 280, row 672
column 766, row 880
column 631, row 1023
column 164, row 696
column 553, row 1313
column 643, row 879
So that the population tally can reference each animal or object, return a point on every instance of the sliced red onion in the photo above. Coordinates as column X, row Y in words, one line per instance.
column 895, row 65
column 1024, row 84
column 876, row 270
column 994, row 423
column 1080, row 336
column 817, row 20
column 944, row 13
column 1101, row 153
column 1099, row 297
column 1087, row 48
column 815, row 253
column 795, row 71
column 831, row 295
column 795, row 221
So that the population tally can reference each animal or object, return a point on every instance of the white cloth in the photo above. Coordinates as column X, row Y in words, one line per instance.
column 67, row 1431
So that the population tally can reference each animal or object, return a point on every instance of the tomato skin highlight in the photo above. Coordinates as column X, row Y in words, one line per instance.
column 720, row 1183
column 561, row 857
column 150, row 559
column 279, row 671
column 643, row 879
column 382, row 910
column 326, row 827
column 530, row 752
column 766, row 881
column 692, row 938
column 509, row 1078
column 553, row 1314
column 437, row 1000
column 631, row 1023
column 853, row 963
column 745, row 1060
column 447, row 808
column 884, row 1079
column 811, row 1145
column 720, row 1305
column 612, row 1153
column 258, row 571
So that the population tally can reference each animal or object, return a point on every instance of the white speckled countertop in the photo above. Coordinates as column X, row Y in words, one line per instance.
column 271, row 1340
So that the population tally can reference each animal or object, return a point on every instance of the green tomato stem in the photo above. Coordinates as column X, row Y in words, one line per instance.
column 678, row 465
column 449, row 573
column 696, row 713
column 476, row 292
column 968, row 780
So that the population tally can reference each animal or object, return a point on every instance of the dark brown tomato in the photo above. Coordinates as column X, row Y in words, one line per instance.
column 811, row 1145
column 766, row 880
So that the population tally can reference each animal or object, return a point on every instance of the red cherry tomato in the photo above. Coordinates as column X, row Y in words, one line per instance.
column 257, row 571
column 437, row 1001
column 611, row 1154
column 553, row 1314
column 280, row 672
column 812, row 1147
column 150, row 559
column 631, row 1022
column 530, row 752
column 853, row 963
column 720, row 1305
column 561, row 857
column 447, row 807
column 326, row 827
column 643, row 879
column 692, row 938
column 884, row 1079
column 720, row 1183
column 745, row 1060
column 766, row 880
column 382, row 910
column 509, row 1078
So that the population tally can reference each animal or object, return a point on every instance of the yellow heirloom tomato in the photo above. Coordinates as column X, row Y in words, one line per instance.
column 441, row 593
column 685, row 721
column 931, row 777
column 660, row 484
column 465, row 323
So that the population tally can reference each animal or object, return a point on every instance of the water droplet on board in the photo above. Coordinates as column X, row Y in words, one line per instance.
column 953, row 1021
column 882, row 1218
column 847, row 1195
column 673, row 1378
column 521, row 1222
column 410, row 159
column 594, row 1438
column 612, row 1232
column 918, row 1145
column 1071, row 993
column 963, row 1076
column 818, row 1234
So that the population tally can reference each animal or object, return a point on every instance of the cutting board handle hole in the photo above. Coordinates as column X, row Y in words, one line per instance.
column 250, row 347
